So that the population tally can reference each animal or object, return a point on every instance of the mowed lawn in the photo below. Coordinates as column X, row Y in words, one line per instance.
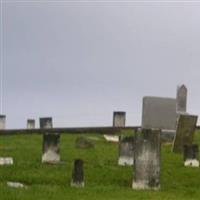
column 103, row 177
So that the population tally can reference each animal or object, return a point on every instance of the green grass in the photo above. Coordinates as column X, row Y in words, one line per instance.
column 103, row 177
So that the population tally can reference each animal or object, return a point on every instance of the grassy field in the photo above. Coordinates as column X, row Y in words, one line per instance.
column 103, row 177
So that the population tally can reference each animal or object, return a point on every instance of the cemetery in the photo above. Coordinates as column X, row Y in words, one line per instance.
column 157, row 160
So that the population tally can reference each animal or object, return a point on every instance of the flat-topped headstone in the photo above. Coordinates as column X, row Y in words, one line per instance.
column 51, row 150
column 126, row 150
column 46, row 122
column 2, row 122
column 78, row 174
column 185, row 132
column 159, row 112
column 30, row 124
column 191, row 155
column 181, row 99
column 119, row 119
column 147, row 160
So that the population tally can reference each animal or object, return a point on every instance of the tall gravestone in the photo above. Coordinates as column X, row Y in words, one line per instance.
column 185, row 132
column 30, row 124
column 147, row 159
column 181, row 99
column 119, row 119
column 51, row 140
column 126, row 150
column 2, row 122
column 78, row 174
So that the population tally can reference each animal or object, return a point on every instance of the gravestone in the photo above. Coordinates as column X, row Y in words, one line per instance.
column 119, row 119
column 2, row 122
column 30, row 124
column 78, row 174
column 159, row 112
column 191, row 155
column 46, row 122
column 126, row 150
column 83, row 143
column 185, row 132
column 181, row 99
column 51, row 151
column 147, row 160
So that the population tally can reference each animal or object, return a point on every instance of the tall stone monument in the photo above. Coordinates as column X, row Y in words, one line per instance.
column 181, row 99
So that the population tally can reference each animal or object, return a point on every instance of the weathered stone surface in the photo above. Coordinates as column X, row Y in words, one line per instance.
column 147, row 160
column 126, row 150
column 30, row 124
column 2, row 122
column 119, row 119
column 83, row 143
column 191, row 155
column 181, row 99
column 159, row 112
column 46, row 122
column 16, row 185
column 51, row 151
column 185, row 132
column 111, row 138
column 6, row 161
column 78, row 174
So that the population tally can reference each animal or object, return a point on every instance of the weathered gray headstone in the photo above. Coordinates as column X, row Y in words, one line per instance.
column 30, row 124
column 159, row 112
column 51, row 151
column 181, row 99
column 2, row 122
column 126, row 150
column 78, row 174
column 83, row 143
column 46, row 122
column 119, row 119
column 185, row 132
column 191, row 155
column 147, row 159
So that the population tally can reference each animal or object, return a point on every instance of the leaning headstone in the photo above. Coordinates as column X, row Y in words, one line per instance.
column 6, row 161
column 119, row 119
column 126, row 150
column 30, row 124
column 2, row 122
column 185, row 132
column 191, row 155
column 46, row 122
column 78, row 174
column 181, row 99
column 147, row 160
column 51, row 150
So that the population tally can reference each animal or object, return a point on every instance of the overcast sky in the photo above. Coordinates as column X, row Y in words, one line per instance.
column 78, row 62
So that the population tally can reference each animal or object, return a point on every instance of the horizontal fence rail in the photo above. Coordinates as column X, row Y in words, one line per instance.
column 80, row 130
column 74, row 130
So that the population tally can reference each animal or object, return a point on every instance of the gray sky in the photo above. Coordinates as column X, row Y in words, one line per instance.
column 78, row 62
